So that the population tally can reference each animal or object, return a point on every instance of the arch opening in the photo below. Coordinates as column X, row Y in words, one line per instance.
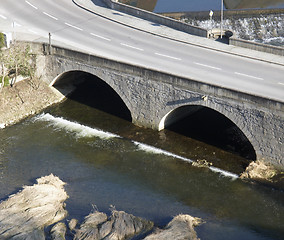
column 209, row 126
column 92, row 91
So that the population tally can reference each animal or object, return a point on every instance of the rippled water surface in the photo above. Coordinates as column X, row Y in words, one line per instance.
column 201, row 5
column 107, row 161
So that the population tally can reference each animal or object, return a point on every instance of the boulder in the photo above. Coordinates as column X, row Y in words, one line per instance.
column 259, row 171
column 25, row 214
column 180, row 228
column 72, row 224
column 118, row 226
column 58, row 231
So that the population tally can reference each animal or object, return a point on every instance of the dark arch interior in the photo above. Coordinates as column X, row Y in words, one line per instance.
column 209, row 126
column 94, row 92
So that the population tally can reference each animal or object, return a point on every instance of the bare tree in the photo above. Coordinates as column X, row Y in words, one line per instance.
column 16, row 61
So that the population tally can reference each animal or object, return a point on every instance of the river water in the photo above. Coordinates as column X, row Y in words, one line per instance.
column 162, row 6
column 207, row 5
column 106, row 160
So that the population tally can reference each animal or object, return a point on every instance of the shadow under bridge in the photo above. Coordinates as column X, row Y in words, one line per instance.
column 209, row 126
column 92, row 91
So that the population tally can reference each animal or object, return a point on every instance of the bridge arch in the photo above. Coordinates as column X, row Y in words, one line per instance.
column 211, row 126
column 105, row 96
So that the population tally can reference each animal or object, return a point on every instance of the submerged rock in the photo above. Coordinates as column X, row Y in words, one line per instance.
column 119, row 225
column 180, row 228
column 25, row 214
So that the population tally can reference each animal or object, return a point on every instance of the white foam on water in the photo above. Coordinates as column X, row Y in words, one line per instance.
column 2, row 125
column 77, row 128
column 151, row 149
column 154, row 150
column 224, row 173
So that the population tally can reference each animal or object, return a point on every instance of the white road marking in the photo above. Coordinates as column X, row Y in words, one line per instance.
column 1, row 16
column 281, row 83
column 167, row 56
column 207, row 66
column 33, row 6
column 70, row 25
column 101, row 37
column 47, row 14
column 249, row 76
column 129, row 46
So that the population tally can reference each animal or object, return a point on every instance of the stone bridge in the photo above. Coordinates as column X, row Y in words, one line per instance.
column 158, row 99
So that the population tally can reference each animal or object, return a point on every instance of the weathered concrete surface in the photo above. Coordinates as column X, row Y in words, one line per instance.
column 180, row 228
column 25, row 214
column 120, row 225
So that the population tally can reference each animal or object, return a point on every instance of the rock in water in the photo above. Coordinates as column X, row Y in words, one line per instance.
column 58, row 231
column 259, row 171
column 118, row 226
column 72, row 224
column 180, row 228
column 91, row 226
column 25, row 214
column 126, row 225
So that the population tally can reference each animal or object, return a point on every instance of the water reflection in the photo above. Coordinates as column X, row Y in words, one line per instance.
column 204, row 5
column 246, row 4
column 148, row 5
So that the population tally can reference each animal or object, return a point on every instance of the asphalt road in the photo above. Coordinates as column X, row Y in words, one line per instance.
column 76, row 27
